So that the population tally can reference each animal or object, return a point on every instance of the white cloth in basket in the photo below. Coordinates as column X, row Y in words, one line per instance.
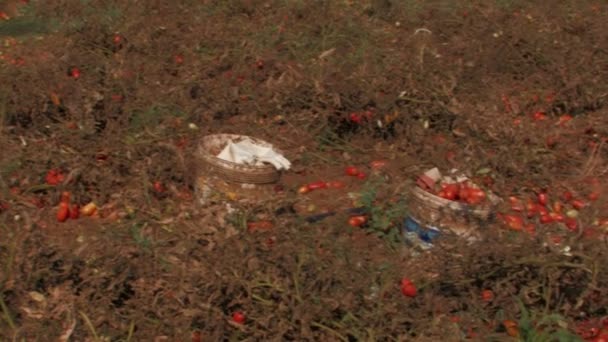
column 250, row 153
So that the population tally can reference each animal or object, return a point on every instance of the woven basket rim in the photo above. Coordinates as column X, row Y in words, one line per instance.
column 436, row 202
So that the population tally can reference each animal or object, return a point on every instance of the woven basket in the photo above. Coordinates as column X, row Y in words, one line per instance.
column 210, row 146
column 433, row 207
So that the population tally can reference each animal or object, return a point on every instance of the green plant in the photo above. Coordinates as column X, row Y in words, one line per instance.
column 386, row 215
column 534, row 327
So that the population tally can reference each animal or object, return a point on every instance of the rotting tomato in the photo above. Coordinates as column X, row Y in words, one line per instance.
column 238, row 317
column 304, row 189
column 571, row 224
column 487, row 295
column 357, row 221
column 516, row 204
column 64, row 212
column 408, row 288
column 352, row 171
column 514, row 222
column 75, row 212
column 476, row 196
column 317, row 185
column 75, row 73
column 546, row 219
column 543, row 199
column 578, row 204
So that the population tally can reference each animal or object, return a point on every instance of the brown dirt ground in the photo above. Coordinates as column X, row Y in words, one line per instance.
column 479, row 86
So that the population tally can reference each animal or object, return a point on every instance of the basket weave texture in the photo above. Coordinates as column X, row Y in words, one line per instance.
column 211, row 145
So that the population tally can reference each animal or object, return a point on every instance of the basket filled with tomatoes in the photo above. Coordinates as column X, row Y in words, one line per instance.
column 453, row 197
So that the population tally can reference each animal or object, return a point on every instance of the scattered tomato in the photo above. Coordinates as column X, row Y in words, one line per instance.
column 158, row 187
column 117, row 39
column 178, row 59
column 531, row 208
column 530, row 228
column 476, row 196
column 362, row 175
column 487, row 295
column 571, row 224
column 75, row 73
column 54, row 177
column 545, row 219
column 513, row 221
column 557, row 217
column 238, row 317
column 352, row 171
column 304, row 189
column 317, row 185
column 558, row 207
column 542, row 198
column 511, row 327
column 408, row 288
column 567, row 196
column 89, row 209
column 75, row 212
column 516, row 204
column 357, row 221
column 593, row 196
column 539, row 116
column 578, row 204
column 63, row 213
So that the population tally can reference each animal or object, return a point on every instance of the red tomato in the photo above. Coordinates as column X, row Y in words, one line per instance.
column 54, row 177
column 513, row 221
column 516, row 204
column 545, row 219
column 531, row 208
column 601, row 338
column 361, row 175
column 238, row 317
column 556, row 217
column 317, row 185
column 571, row 224
column 352, row 171
column 75, row 73
column 539, row 116
column 158, row 186
column 542, row 210
column 356, row 118
column 357, row 221
column 179, row 59
column 578, row 204
column 567, row 196
column 558, row 207
column 487, row 295
column 408, row 288
column 476, row 196
column 63, row 213
column 542, row 198
column 117, row 39
column 75, row 212
column 594, row 196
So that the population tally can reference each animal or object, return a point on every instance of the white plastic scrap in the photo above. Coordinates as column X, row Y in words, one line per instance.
column 248, row 152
